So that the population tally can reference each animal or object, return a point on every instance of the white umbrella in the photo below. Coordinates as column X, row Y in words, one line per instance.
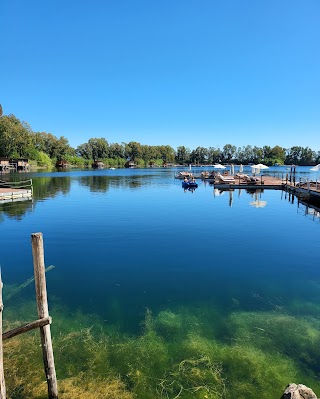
column 260, row 166
column 316, row 168
column 218, row 166
column 256, row 168
column 232, row 169
column 241, row 168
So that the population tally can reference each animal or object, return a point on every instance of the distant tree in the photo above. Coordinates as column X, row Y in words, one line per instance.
column 228, row 152
column 100, row 148
column 214, row 155
column 278, row 154
column 167, row 153
column 15, row 137
column 182, row 155
column 308, row 156
column 294, row 155
column 199, row 156
column 133, row 150
column 84, row 151
column 95, row 148
column 116, row 151
column 55, row 147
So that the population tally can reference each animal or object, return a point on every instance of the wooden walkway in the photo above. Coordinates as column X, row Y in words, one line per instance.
column 265, row 182
column 304, row 190
column 15, row 191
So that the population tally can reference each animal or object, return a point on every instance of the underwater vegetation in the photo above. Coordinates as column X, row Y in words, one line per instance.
column 180, row 353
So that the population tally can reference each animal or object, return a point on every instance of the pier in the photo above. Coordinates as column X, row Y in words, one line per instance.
column 306, row 191
column 15, row 191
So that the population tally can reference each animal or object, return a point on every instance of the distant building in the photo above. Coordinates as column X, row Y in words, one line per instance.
column 98, row 164
column 4, row 164
column 20, row 163
column 130, row 164
column 62, row 164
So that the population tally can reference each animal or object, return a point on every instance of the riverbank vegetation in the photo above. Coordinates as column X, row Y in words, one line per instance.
column 187, row 352
column 18, row 140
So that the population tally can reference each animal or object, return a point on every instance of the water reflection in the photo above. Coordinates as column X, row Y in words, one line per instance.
column 43, row 188
column 256, row 195
column 102, row 183
column 49, row 187
column 15, row 209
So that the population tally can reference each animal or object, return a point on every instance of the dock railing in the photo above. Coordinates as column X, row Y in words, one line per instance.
column 25, row 184
column 26, row 187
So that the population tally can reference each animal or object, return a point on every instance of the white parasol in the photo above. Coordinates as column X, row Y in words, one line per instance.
column 316, row 168
column 257, row 168
column 260, row 166
column 218, row 166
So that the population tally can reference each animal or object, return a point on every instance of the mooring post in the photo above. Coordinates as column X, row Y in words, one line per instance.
column 2, row 382
column 43, row 312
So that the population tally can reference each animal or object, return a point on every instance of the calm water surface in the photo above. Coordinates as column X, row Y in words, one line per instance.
column 126, row 240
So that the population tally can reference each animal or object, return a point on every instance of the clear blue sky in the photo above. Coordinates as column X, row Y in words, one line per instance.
column 178, row 72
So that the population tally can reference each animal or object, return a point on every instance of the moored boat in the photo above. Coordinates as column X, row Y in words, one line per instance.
column 189, row 184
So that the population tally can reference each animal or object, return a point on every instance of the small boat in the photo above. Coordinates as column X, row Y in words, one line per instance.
column 189, row 184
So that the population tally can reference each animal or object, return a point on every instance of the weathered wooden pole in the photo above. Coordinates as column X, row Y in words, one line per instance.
column 2, row 382
column 43, row 312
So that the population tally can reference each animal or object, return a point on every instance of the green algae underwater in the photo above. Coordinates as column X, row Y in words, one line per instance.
column 187, row 352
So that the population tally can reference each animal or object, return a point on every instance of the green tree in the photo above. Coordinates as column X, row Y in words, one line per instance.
column 228, row 152
column 56, row 148
column 133, row 150
column 214, row 155
column 199, row 155
column 278, row 154
column 182, row 155
column 15, row 137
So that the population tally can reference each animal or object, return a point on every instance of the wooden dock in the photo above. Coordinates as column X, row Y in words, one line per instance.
column 265, row 182
column 307, row 191
column 15, row 191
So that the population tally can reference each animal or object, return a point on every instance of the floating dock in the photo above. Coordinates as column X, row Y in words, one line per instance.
column 306, row 191
column 15, row 191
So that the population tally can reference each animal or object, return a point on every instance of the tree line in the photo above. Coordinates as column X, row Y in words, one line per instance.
column 18, row 140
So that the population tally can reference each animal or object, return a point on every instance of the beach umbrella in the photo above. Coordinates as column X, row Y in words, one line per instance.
column 232, row 169
column 260, row 166
column 218, row 166
column 256, row 168
column 316, row 168
column 241, row 168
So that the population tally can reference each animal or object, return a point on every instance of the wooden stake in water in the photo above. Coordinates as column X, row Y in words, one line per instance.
column 43, row 312
column 2, row 382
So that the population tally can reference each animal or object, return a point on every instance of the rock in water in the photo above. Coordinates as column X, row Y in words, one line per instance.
column 294, row 391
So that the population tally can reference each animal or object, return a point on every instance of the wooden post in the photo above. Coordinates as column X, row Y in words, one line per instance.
column 43, row 312
column 2, row 382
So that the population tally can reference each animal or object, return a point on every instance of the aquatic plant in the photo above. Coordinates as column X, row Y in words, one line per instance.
column 178, row 354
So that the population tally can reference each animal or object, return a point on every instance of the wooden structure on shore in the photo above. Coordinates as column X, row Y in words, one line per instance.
column 43, row 322
column 14, row 164
column 97, row 164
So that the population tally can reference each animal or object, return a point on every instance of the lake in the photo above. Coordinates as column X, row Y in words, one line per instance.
column 226, row 280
